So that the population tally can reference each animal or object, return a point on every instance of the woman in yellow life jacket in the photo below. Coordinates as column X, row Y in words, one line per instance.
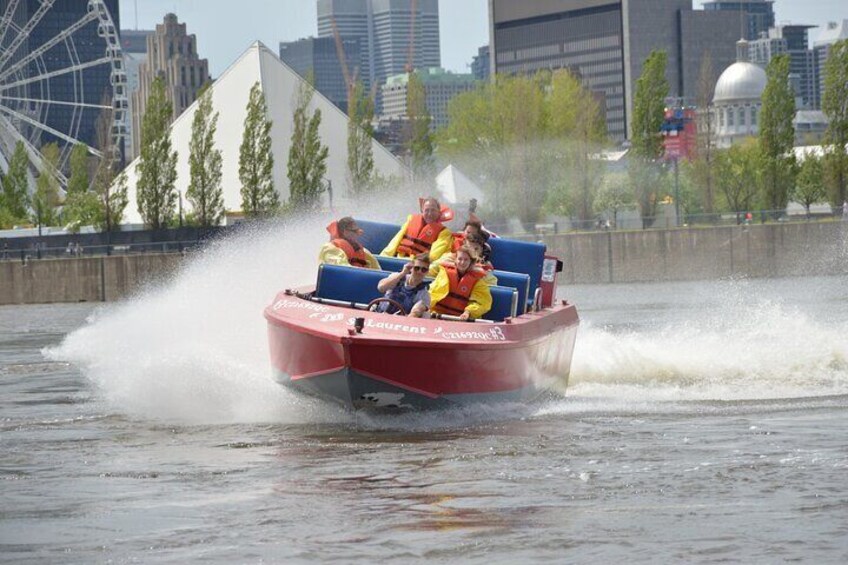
column 459, row 288
column 478, row 246
column 344, row 247
column 421, row 233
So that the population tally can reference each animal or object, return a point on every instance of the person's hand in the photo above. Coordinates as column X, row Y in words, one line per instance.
column 464, row 316
column 418, row 310
column 407, row 268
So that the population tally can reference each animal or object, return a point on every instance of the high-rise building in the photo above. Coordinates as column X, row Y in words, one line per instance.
column 481, row 64
column 72, row 93
column 172, row 55
column 320, row 56
column 134, row 49
column 606, row 42
column 383, row 29
column 756, row 16
column 791, row 40
column 440, row 87
column 832, row 33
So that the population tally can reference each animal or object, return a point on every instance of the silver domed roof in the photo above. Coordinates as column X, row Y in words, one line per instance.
column 740, row 81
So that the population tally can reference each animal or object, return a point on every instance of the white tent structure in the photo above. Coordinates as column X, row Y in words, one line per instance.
column 280, row 85
column 454, row 187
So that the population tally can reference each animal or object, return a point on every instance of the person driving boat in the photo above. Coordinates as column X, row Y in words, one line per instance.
column 407, row 288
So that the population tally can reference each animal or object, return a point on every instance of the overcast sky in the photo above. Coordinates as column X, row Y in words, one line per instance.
column 225, row 28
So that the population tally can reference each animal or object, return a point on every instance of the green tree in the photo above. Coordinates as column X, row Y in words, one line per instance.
column 701, row 171
column 256, row 160
column 649, row 107
column 777, row 134
column 307, row 164
column 500, row 134
column 835, row 107
column 113, row 199
column 157, row 165
column 646, row 174
column 809, row 187
column 614, row 195
column 578, row 130
column 78, row 181
column 82, row 207
column 737, row 175
column 16, row 198
column 45, row 199
column 360, row 154
column 204, row 161
column 419, row 141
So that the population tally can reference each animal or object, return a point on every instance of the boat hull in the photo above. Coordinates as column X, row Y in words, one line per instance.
column 403, row 363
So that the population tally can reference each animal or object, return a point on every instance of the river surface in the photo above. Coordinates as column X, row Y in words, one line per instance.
column 705, row 422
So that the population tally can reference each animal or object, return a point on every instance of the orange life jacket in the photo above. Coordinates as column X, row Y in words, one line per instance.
column 458, row 240
column 419, row 237
column 460, row 289
column 355, row 257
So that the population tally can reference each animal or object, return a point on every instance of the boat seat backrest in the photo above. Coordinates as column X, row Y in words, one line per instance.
column 518, row 281
column 519, row 257
column 376, row 235
column 504, row 303
column 350, row 284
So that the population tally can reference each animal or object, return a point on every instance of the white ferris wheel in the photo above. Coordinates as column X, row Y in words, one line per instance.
column 46, row 89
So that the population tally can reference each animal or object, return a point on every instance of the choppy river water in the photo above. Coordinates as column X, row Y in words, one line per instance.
column 705, row 422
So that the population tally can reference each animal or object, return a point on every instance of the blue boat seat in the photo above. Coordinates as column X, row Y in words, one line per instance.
column 350, row 284
column 504, row 304
column 376, row 235
column 519, row 257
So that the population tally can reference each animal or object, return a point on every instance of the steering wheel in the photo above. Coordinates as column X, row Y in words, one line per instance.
column 400, row 309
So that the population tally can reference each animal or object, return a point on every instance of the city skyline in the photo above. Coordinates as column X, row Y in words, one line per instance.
column 223, row 34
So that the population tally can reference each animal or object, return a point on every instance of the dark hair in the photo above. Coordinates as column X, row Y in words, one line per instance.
column 346, row 223
column 487, row 252
column 431, row 199
column 475, row 238
column 423, row 257
column 477, row 225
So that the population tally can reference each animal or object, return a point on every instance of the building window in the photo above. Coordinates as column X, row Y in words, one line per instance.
column 721, row 118
column 754, row 117
column 730, row 117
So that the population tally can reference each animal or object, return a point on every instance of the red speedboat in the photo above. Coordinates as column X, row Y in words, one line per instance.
column 324, row 341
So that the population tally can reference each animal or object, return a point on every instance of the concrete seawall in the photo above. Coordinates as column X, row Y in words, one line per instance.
column 770, row 250
column 83, row 279
column 803, row 248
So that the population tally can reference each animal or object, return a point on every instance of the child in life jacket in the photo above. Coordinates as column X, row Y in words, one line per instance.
column 459, row 289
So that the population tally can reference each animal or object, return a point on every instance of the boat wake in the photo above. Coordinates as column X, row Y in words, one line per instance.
column 194, row 349
column 746, row 348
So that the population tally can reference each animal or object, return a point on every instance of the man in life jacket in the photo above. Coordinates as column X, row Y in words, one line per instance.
column 408, row 288
column 422, row 233
column 344, row 247
column 459, row 289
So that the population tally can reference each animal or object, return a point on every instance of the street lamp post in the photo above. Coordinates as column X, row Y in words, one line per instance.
column 676, row 193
